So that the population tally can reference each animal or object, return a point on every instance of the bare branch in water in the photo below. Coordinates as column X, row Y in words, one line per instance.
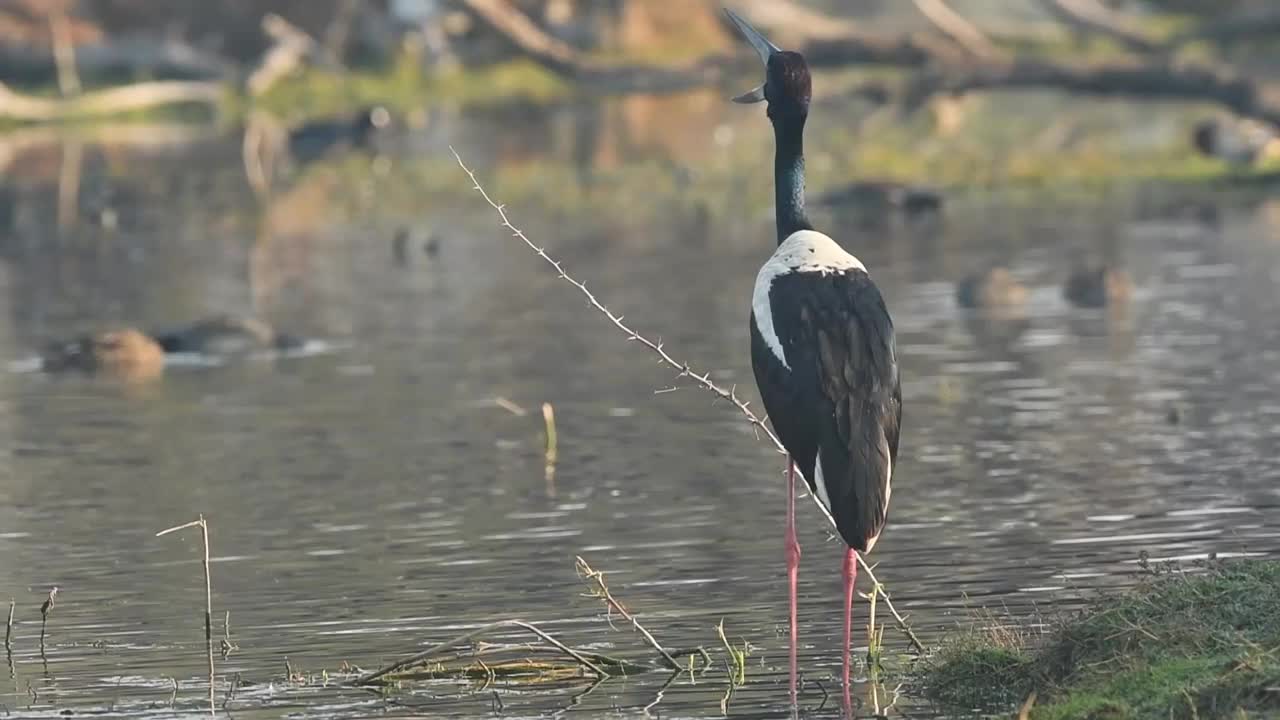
column 682, row 369
column 552, row 452
column 468, row 636
column 44, row 614
column 208, row 598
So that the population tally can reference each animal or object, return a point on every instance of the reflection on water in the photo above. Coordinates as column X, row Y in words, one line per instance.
column 371, row 500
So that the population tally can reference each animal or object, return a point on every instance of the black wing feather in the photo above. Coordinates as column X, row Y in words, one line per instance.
column 841, row 397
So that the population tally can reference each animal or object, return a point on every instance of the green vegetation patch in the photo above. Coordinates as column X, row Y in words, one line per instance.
column 1202, row 642
column 405, row 86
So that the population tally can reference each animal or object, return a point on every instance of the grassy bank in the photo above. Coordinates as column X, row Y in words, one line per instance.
column 1200, row 642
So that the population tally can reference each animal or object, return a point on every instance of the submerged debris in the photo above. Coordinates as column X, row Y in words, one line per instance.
column 468, row 657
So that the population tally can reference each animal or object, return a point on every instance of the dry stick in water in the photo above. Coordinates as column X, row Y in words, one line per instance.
column 8, row 626
column 44, row 614
column 549, row 420
column 657, row 348
column 208, row 597
column 465, row 637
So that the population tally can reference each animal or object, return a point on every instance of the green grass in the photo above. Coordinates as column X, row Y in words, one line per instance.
column 404, row 86
column 1198, row 644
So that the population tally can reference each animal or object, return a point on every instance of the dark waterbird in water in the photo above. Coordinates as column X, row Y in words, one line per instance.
column 400, row 246
column 994, row 288
column 1238, row 142
column 883, row 196
column 132, row 354
column 128, row 354
column 313, row 140
column 226, row 335
column 822, row 348
column 1097, row 286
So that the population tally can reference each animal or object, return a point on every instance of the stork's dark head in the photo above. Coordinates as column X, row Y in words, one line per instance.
column 787, row 86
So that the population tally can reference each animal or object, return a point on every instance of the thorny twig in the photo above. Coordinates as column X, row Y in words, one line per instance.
column 682, row 368
column 602, row 591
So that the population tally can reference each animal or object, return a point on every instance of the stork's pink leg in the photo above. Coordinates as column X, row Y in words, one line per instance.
column 850, row 577
column 793, row 566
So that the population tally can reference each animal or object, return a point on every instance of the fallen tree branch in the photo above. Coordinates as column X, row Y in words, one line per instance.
column 292, row 47
column 1253, row 23
column 130, row 56
column 1158, row 82
column 114, row 101
column 946, row 67
column 1094, row 17
column 955, row 26
column 682, row 368
column 511, row 23
column 828, row 41
column 563, row 60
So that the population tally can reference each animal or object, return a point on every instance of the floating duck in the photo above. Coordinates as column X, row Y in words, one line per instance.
column 1238, row 142
column 1096, row 286
column 995, row 287
column 126, row 353
column 226, row 335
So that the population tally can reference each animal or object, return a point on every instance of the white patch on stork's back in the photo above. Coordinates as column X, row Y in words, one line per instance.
column 805, row 251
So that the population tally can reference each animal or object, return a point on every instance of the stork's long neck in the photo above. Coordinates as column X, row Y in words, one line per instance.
column 788, row 176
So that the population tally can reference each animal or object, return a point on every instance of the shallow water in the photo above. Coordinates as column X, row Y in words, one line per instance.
column 372, row 499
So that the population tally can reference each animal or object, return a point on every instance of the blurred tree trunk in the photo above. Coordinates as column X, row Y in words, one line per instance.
column 231, row 27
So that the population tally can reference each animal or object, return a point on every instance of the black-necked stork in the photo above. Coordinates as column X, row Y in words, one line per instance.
column 822, row 349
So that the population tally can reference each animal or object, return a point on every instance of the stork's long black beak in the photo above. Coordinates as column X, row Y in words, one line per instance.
column 762, row 46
